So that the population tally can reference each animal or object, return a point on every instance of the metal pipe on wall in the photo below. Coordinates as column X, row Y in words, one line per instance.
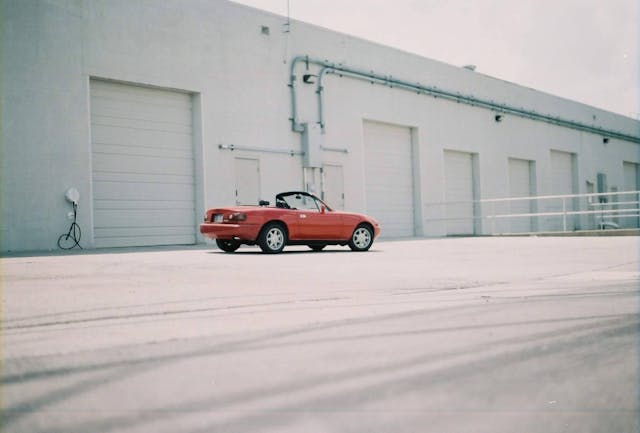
column 388, row 80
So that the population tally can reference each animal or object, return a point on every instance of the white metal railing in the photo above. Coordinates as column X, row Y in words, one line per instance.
column 547, row 213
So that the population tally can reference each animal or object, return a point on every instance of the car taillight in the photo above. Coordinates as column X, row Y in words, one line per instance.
column 238, row 216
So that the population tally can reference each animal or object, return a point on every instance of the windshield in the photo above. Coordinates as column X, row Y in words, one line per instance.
column 299, row 201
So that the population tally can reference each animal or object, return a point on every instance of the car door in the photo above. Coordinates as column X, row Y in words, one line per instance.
column 313, row 220
column 318, row 225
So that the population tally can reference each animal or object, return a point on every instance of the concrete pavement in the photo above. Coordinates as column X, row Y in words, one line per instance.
column 441, row 335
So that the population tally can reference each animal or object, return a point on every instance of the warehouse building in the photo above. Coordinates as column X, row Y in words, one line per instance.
column 154, row 111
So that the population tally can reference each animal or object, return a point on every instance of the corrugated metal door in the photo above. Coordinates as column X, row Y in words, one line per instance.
column 247, row 181
column 142, row 166
column 458, row 179
column 520, row 186
column 631, row 183
column 389, row 178
column 562, row 183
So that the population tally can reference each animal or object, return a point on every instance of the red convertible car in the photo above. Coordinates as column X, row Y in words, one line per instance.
column 298, row 218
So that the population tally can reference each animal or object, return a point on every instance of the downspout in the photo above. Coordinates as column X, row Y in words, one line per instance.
column 319, row 91
column 295, row 126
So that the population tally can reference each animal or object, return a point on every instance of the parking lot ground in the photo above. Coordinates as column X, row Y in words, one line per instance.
column 527, row 334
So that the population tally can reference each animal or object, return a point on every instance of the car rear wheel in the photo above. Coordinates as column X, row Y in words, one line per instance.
column 361, row 239
column 272, row 238
column 227, row 245
column 317, row 247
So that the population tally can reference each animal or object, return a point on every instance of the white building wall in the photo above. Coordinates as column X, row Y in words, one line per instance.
column 238, row 76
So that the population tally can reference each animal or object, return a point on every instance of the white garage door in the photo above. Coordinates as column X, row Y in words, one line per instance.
column 562, row 183
column 389, row 178
column 143, row 167
column 520, row 186
column 458, row 180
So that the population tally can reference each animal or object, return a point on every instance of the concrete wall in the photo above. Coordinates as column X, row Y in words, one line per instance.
column 221, row 53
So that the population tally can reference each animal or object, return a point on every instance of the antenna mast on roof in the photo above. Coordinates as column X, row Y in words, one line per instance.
column 288, row 23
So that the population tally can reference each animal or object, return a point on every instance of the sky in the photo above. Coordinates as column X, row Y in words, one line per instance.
column 584, row 50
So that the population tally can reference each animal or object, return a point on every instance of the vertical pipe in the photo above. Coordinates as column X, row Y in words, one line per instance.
column 564, row 214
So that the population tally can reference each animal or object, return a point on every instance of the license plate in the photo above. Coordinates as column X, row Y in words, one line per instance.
column 217, row 218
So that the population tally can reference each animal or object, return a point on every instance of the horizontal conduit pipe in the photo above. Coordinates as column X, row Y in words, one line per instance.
column 233, row 147
column 374, row 78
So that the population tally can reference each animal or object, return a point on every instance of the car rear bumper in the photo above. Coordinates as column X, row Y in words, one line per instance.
column 243, row 232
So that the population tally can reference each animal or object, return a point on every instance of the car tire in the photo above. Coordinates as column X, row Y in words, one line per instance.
column 227, row 246
column 361, row 239
column 272, row 238
column 317, row 247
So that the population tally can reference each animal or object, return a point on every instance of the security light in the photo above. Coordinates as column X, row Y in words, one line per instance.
column 309, row 78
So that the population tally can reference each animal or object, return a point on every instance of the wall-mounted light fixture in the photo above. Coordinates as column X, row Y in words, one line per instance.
column 498, row 117
column 605, row 140
column 309, row 78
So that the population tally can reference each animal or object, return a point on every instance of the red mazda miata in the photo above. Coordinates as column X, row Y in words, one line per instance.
column 298, row 218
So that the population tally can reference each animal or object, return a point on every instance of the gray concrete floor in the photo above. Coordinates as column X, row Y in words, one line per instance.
column 444, row 335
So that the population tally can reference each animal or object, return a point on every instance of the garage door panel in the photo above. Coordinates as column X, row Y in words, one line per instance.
column 109, row 176
column 142, row 191
column 135, row 93
column 142, row 218
column 127, row 232
column 140, row 138
column 400, row 151
column 389, row 177
column 151, row 152
column 394, row 205
column 150, row 240
column 106, row 204
column 120, row 163
column 383, row 174
column 144, row 125
column 143, row 167
column 108, row 108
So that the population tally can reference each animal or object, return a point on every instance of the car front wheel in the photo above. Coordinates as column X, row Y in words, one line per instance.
column 227, row 246
column 272, row 239
column 361, row 239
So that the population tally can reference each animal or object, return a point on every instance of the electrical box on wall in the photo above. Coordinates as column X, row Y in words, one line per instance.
column 312, row 145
